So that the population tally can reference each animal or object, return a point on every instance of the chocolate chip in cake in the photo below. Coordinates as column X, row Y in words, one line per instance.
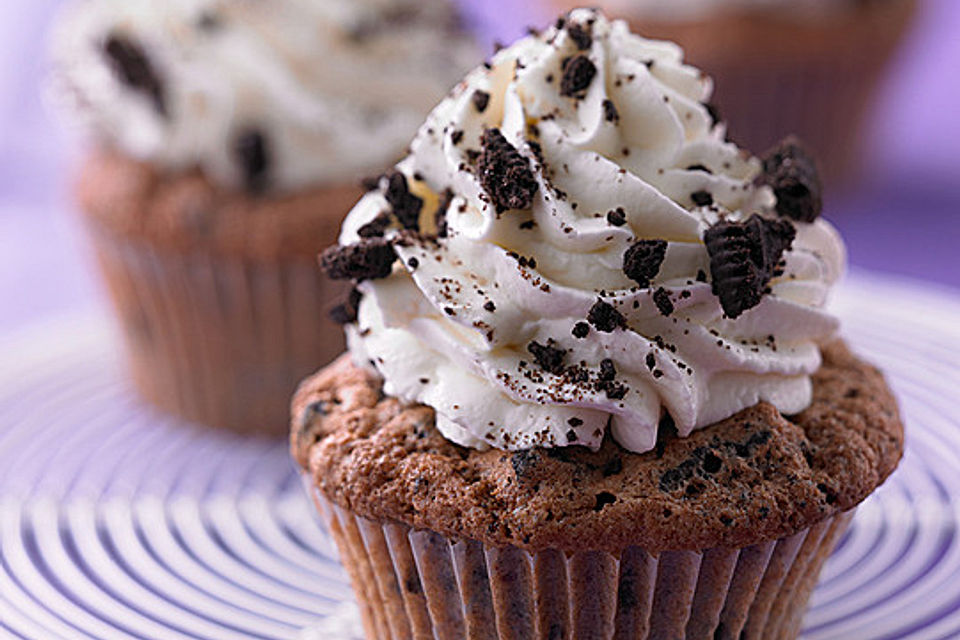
column 642, row 261
column 369, row 259
column 580, row 330
column 548, row 356
column 132, row 66
column 578, row 73
column 253, row 156
column 743, row 259
column 346, row 312
column 603, row 499
column 661, row 298
column 580, row 36
column 790, row 170
column 504, row 173
column 481, row 99
column 406, row 206
column 702, row 198
column 604, row 317
column 617, row 217
column 610, row 113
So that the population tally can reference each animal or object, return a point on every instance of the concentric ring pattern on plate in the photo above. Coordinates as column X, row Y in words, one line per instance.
column 118, row 523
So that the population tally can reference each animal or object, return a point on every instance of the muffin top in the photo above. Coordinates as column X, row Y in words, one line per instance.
column 573, row 248
column 754, row 477
column 263, row 95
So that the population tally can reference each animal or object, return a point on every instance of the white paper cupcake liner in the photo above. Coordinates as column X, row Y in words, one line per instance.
column 421, row 584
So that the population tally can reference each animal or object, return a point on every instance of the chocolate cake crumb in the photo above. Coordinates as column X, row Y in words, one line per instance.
column 604, row 317
column 132, row 66
column 406, row 206
column 368, row 259
column 661, row 298
column 743, row 259
column 702, row 198
column 791, row 172
column 481, row 99
column 580, row 36
column 549, row 357
column 578, row 73
column 610, row 113
column 346, row 312
column 504, row 173
column 580, row 330
column 376, row 227
column 251, row 152
column 617, row 217
column 642, row 261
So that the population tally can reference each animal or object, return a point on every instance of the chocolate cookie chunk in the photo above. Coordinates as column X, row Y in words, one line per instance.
column 365, row 260
column 642, row 260
column 406, row 206
column 578, row 73
column 504, row 173
column 791, row 172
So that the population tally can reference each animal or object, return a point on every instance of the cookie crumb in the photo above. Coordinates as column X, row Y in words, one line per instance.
column 642, row 261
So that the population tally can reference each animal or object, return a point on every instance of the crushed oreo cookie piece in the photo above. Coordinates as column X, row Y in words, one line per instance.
column 252, row 154
column 504, row 173
column 661, row 298
column 580, row 330
column 481, row 99
column 369, row 259
column 346, row 312
column 641, row 262
column 490, row 306
column 441, row 215
column 713, row 112
column 578, row 73
column 580, row 35
column 605, row 317
column 548, row 356
column 744, row 257
column 134, row 69
column 610, row 113
column 406, row 206
column 608, row 371
column 376, row 227
column 702, row 198
column 791, row 172
column 617, row 217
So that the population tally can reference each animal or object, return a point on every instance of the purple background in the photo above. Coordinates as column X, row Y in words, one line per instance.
column 902, row 219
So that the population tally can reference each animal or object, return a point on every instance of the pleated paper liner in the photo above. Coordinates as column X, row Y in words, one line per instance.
column 215, row 339
column 420, row 584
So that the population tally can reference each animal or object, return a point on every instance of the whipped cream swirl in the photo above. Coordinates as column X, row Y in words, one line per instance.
column 275, row 95
column 488, row 324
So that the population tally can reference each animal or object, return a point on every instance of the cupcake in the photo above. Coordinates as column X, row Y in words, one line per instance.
column 229, row 140
column 591, row 388
column 812, row 67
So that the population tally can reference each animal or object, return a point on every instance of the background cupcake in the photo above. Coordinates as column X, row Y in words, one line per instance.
column 811, row 67
column 594, row 391
column 228, row 140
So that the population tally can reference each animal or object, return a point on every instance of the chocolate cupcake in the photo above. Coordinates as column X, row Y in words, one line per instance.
column 592, row 390
column 812, row 67
column 229, row 140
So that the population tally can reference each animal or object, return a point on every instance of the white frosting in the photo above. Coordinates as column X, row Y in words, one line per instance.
column 337, row 88
column 429, row 330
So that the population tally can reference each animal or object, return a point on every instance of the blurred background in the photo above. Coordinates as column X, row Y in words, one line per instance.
column 900, row 217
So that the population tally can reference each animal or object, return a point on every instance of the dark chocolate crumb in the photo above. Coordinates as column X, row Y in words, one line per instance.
column 346, row 312
column 571, row 436
column 549, row 357
column 490, row 306
column 406, row 206
column 610, row 112
column 368, row 259
column 702, row 198
column 791, row 172
column 604, row 317
column 701, row 275
column 253, row 156
column 743, row 259
column 617, row 217
column 651, row 361
column 134, row 69
column 376, row 227
column 457, row 136
column 608, row 371
column 413, row 263
column 481, row 99
column 441, row 215
column 580, row 36
column 642, row 261
column 575, row 422
column 580, row 330
column 661, row 298
column 578, row 73
column 504, row 173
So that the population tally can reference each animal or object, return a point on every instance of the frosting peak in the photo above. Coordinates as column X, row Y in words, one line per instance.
column 582, row 225
column 268, row 95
